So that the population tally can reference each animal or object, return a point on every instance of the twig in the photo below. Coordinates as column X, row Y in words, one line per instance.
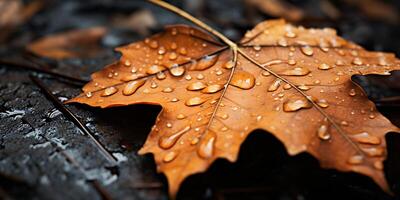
column 75, row 120
column 77, row 81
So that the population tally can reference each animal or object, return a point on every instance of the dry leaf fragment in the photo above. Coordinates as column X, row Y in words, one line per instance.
column 14, row 13
column 278, row 8
column 70, row 44
column 293, row 82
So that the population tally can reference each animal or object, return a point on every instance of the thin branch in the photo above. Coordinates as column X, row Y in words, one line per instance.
column 75, row 120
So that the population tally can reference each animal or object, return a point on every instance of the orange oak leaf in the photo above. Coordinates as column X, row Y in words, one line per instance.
column 293, row 82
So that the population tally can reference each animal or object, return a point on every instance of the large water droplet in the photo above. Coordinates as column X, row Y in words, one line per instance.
column 323, row 133
column 154, row 69
column 167, row 141
column 366, row 138
column 109, row 91
column 355, row 160
column 132, row 87
column 297, row 71
column 205, row 63
column 374, row 152
column 161, row 75
column 177, row 71
column 206, row 146
column 296, row 104
column 212, row 88
column 195, row 101
column 275, row 85
column 324, row 66
column 307, row 50
column 170, row 156
column 243, row 80
column 196, row 86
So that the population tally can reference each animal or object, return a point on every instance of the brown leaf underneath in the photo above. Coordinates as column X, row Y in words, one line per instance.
column 70, row 44
column 290, row 81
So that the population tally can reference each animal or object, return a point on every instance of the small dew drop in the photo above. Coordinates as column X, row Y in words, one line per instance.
column 295, row 105
column 307, row 50
column 324, row 66
column 168, row 90
column 169, row 140
column 275, row 85
column 352, row 92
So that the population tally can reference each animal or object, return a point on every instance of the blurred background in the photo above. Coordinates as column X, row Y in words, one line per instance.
column 43, row 155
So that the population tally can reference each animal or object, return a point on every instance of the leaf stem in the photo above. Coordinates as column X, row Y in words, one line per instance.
column 201, row 24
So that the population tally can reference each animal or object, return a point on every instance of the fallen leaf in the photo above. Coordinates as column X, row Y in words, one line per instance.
column 71, row 44
column 14, row 13
column 292, row 82
column 278, row 8
column 377, row 9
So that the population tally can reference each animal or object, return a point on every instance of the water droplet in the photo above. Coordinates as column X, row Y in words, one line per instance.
column 344, row 123
column 170, row 156
column 132, row 87
column 200, row 76
column 195, row 101
column 257, row 48
column 168, row 90
column 180, row 116
column 169, row 140
column 188, row 77
column 371, row 116
column 173, row 56
column 196, row 86
column 374, row 152
column 323, row 133
column 275, row 85
column 307, row 50
column 290, row 34
column 352, row 92
column 89, row 94
column 174, row 31
column 357, row 61
column 303, row 87
column 322, row 103
column 177, row 71
column 183, row 51
column 212, row 88
column 223, row 116
column 291, row 62
column 169, row 125
column 265, row 73
column 287, row 86
column 229, row 65
column 153, row 85
column 366, row 138
column 161, row 51
column 174, row 100
column 243, row 80
column 355, row 160
column 154, row 44
column 324, row 66
column 296, row 104
column 127, row 63
column 194, row 141
column 259, row 117
column 282, row 42
column 205, row 63
column 154, row 69
column 339, row 63
column 161, row 75
column 109, row 91
column 297, row 71
column 206, row 146
column 134, row 70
